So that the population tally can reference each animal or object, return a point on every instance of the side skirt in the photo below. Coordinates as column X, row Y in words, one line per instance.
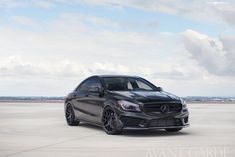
column 90, row 122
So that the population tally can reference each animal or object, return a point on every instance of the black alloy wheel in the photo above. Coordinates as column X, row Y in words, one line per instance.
column 110, row 121
column 70, row 116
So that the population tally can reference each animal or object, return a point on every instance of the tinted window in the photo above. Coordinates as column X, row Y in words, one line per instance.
column 94, row 82
column 83, row 86
column 127, row 84
column 89, row 83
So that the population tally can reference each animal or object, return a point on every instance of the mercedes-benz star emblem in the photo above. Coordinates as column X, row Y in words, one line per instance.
column 164, row 108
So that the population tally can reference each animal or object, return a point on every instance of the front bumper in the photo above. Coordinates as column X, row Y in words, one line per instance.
column 134, row 120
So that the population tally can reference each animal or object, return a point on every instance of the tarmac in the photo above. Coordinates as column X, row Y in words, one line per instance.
column 40, row 130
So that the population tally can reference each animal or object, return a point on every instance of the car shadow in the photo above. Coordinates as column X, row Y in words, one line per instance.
column 139, row 133
column 151, row 133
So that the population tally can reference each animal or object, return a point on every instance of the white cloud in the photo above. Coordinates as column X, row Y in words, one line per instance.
column 216, row 55
column 28, row 3
column 207, row 11
column 53, row 61
column 25, row 21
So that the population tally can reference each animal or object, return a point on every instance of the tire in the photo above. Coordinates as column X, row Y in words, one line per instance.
column 70, row 116
column 173, row 129
column 110, row 121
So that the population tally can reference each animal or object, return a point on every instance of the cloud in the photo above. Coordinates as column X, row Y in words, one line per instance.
column 78, row 49
column 18, row 66
column 229, row 47
column 29, row 3
column 207, row 11
column 25, row 21
column 67, row 49
column 215, row 55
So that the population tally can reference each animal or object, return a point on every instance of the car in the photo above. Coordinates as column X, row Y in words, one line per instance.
column 118, row 102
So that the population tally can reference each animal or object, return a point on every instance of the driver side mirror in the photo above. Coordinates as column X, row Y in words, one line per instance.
column 96, row 91
column 160, row 89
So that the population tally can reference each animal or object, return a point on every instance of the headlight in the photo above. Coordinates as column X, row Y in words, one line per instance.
column 184, row 105
column 128, row 106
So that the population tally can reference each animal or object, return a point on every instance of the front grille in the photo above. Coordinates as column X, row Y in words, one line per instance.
column 131, row 121
column 165, row 122
column 159, row 108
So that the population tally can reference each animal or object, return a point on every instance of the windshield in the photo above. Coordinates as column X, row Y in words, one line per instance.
column 127, row 84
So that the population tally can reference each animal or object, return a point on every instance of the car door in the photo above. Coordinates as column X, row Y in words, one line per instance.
column 87, row 106
column 95, row 102
column 79, row 100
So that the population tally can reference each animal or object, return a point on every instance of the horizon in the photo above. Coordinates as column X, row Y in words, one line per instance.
column 65, row 96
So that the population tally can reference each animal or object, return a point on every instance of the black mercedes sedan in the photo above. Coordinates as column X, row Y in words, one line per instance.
column 125, row 102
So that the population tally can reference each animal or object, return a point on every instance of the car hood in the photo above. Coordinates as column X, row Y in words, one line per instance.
column 146, row 96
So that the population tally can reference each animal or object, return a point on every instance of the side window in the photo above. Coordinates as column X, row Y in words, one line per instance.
column 84, row 85
column 95, row 82
column 89, row 83
column 143, row 85
column 129, row 86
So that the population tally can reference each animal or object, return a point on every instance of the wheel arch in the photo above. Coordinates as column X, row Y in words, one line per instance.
column 66, row 103
column 108, row 103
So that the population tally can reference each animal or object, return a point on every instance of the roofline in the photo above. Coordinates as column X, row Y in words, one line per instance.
column 117, row 76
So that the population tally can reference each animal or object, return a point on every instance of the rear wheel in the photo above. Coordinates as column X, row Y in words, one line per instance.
column 70, row 116
column 110, row 121
column 173, row 129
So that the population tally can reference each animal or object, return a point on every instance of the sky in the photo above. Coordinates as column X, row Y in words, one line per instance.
column 47, row 47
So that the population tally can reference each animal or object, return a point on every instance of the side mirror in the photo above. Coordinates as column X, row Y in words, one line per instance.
column 95, row 91
column 160, row 89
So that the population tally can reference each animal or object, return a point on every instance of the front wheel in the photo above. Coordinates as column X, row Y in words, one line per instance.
column 110, row 121
column 173, row 129
column 70, row 116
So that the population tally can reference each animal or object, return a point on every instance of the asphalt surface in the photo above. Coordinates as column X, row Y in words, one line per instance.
column 39, row 130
